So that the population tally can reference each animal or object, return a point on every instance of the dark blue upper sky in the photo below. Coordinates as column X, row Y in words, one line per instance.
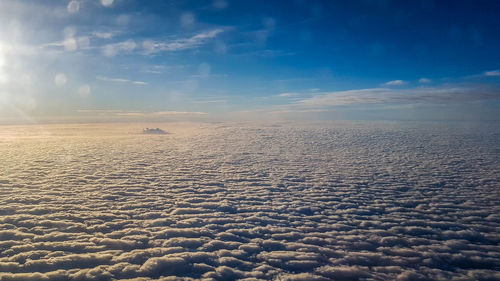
column 308, row 59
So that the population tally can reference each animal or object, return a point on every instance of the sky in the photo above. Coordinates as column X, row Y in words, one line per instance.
column 130, row 60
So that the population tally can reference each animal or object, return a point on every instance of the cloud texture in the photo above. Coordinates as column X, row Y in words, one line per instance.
column 224, row 202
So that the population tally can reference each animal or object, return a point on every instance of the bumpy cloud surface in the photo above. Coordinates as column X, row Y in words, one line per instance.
column 227, row 202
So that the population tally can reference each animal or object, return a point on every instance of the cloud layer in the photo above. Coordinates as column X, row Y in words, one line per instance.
column 419, row 95
column 357, row 202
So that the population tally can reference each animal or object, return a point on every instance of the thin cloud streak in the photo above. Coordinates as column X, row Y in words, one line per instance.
column 195, row 41
column 289, row 95
column 104, row 34
column 384, row 95
column 492, row 73
column 99, row 110
column 125, row 114
column 395, row 83
column 160, row 113
column 120, row 80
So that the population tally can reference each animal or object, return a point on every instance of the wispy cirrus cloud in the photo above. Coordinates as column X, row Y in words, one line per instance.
column 100, row 111
column 68, row 44
column 414, row 95
column 395, row 83
column 120, row 80
column 160, row 113
column 104, row 34
column 151, row 46
column 119, row 113
column 492, row 73
column 451, row 99
column 288, row 95
column 113, row 49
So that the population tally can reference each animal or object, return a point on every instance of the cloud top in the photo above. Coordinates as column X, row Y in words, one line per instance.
column 341, row 202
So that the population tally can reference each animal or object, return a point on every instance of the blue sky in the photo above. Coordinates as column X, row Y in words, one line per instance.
column 230, row 60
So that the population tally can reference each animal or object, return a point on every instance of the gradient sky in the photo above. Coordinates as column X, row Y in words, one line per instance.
column 226, row 60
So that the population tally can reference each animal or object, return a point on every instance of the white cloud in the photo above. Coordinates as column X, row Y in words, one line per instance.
column 103, row 35
column 114, row 49
column 120, row 80
column 98, row 111
column 408, row 96
column 424, row 80
column 211, row 101
column 288, row 95
column 70, row 44
column 73, row 6
column 492, row 73
column 195, row 41
column 395, row 83
column 347, row 214
column 160, row 113
column 107, row 3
